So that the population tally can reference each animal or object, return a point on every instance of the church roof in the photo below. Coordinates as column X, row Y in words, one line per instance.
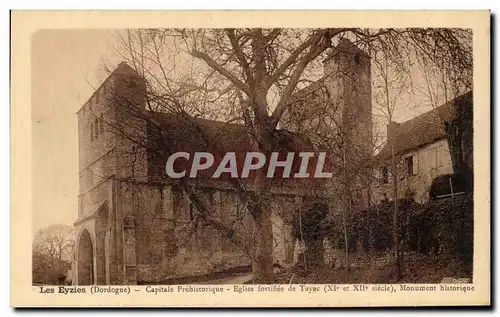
column 187, row 134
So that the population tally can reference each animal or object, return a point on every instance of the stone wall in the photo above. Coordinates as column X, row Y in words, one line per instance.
column 169, row 243
column 283, row 209
column 432, row 160
column 162, row 240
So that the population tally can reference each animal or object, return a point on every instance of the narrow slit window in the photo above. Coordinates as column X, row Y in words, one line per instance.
column 96, row 127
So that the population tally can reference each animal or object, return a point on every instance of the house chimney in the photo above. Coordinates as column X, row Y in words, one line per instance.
column 392, row 128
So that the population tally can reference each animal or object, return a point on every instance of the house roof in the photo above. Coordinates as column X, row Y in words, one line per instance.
column 424, row 129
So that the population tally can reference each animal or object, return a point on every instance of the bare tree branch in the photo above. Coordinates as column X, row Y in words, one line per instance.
column 210, row 62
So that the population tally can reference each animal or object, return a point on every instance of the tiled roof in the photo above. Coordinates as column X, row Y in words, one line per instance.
column 423, row 129
column 190, row 135
column 304, row 92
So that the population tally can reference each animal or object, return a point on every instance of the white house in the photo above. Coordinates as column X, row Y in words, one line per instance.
column 421, row 152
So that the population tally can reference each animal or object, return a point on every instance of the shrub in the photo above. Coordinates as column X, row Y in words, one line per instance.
column 447, row 227
column 461, row 182
column 371, row 229
column 443, row 227
column 310, row 226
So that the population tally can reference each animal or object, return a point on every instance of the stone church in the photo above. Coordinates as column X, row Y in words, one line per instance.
column 136, row 226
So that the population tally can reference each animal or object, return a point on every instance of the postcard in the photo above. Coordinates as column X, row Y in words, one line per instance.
column 250, row 158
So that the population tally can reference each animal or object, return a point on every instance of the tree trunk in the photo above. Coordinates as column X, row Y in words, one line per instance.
column 262, row 266
column 395, row 231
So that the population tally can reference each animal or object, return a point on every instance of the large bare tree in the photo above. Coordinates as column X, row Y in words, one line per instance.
column 249, row 76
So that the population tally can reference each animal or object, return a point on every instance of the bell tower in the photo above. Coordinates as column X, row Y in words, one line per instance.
column 347, row 75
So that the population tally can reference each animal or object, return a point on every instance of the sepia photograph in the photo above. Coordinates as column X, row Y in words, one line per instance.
column 249, row 159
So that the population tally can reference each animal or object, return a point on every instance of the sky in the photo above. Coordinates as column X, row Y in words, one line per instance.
column 67, row 65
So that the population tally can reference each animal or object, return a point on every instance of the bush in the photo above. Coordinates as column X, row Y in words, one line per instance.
column 312, row 231
column 461, row 182
column 443, row 227
column 447, row 227
column 372, row 228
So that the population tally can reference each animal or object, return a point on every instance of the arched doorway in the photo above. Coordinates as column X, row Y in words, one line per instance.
column 85, row 259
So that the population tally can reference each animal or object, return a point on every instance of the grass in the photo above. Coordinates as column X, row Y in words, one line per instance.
column 424, row 269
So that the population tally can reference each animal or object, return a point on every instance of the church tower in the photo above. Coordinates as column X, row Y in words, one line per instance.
column 104, row 157
column 335, row 112
column 347, row 76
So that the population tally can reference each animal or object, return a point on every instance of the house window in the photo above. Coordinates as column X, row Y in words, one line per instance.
column 409, row 165
column 384, row 172
column 92, row 131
